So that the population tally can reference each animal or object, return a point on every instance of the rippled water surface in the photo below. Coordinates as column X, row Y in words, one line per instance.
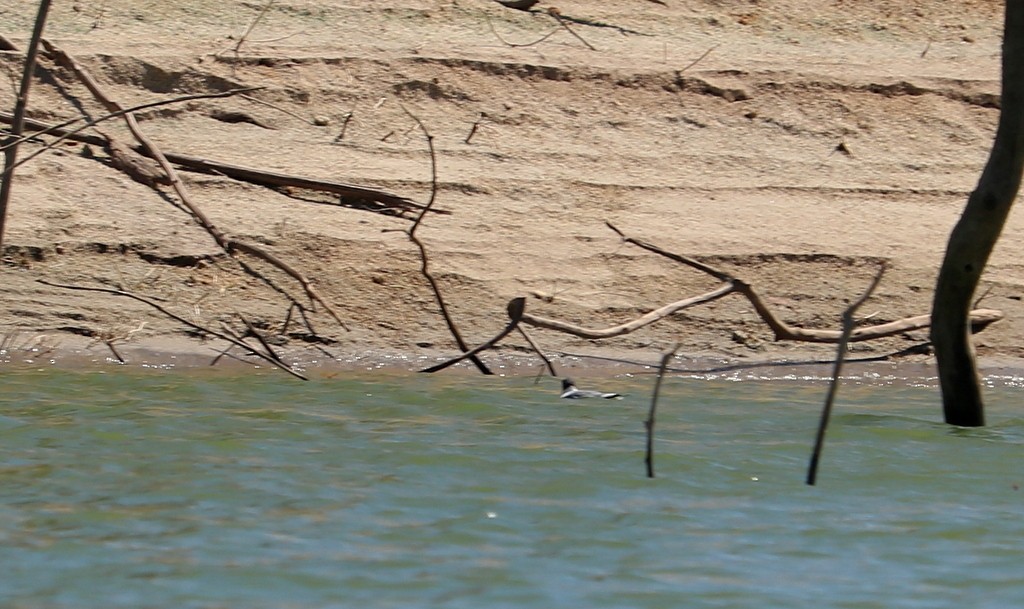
column 182, row 490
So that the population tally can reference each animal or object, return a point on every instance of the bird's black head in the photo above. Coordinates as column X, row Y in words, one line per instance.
column 567, row 383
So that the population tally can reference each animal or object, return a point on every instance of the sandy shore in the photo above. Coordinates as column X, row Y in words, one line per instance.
column 795, row 144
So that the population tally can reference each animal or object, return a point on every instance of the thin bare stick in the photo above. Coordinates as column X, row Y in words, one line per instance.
column 344, row 127
column 266, row 346
column 833, row 388
column 558, row 17
column 63, row 134
column 278, row 108
column 110, row 345
column 20, row 107
column 228, row 244
column 538, row 351
column 516, row 306
column 425, row 259
column 223, row 352
column 252, row 25
column 523, row 44
column 246, row 174
column 699, row 59
column 179, row 319
column 649, row 423
column 476, row 125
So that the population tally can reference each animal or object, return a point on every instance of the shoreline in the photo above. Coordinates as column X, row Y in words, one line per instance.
column 184, row 356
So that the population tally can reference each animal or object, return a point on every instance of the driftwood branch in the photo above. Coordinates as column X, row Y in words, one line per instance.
column 229, row 244
column 237, row 172
column 632, row 326
column 833, row 388
column 979, row 318
column 272, row 359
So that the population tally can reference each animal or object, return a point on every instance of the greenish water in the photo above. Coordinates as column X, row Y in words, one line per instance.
column 186, row 491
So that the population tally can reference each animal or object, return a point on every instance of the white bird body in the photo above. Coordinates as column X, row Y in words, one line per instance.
column 571, row 392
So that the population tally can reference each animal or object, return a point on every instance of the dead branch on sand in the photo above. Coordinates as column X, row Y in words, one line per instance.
column 229, row 244
column 980, row 318
column 382, row 199
column 269, row 357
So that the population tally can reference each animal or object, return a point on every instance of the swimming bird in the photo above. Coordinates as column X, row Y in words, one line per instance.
column 570, row 392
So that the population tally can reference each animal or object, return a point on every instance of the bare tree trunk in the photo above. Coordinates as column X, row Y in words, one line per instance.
column 975, row 235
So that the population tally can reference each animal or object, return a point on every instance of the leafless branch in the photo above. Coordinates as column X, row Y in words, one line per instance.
column 228, row 244
column 425, row 259
column 833, row 388
column 649, row 423
column 202, row 329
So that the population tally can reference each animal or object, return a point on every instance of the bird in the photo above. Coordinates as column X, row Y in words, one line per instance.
column 570, row 392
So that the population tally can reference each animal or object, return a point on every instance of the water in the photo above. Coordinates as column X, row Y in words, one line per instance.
column 194, row 491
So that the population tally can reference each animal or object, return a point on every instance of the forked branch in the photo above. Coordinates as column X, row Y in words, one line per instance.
column 229, row 244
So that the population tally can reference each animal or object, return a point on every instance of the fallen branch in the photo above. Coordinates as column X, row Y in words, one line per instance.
column 202, row 329
column 237, row 172
column 980, row 318
column 833, row 388
column 631, row 326
column 522, row 44
column 252, row 25
column 228, row 244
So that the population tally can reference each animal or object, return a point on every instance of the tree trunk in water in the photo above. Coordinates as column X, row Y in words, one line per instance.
column 975, row 235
